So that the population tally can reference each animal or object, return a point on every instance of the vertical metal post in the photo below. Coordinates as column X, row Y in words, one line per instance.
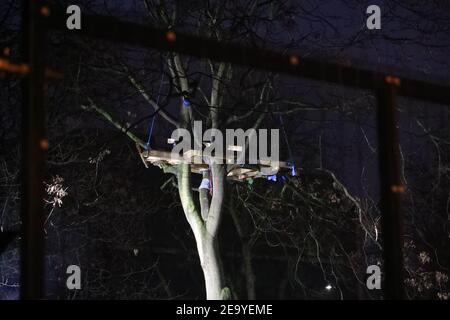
column 34, row 145
column 391, row 190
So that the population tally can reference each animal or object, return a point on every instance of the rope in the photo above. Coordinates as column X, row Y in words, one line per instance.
column 291, row 158
column 150, row 131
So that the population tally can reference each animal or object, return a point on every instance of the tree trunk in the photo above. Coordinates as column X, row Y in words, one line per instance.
column 248, row 267
column 241, row 224
column 212, row 268
column 205, row 232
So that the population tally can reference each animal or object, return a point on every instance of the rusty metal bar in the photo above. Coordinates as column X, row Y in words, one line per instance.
column 34, row 145
column 391, row 190
column 112, row 29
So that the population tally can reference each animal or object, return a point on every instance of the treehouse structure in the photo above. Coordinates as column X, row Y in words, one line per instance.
column 200, row 163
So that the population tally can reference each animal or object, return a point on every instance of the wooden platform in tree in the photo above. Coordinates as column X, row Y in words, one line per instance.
column 237, row 172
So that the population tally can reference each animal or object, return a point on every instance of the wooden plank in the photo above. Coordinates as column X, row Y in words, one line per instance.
column 158, row 155
column 238, row 172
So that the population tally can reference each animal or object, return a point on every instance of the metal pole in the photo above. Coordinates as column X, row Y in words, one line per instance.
column 34, row 145
column 391, row 190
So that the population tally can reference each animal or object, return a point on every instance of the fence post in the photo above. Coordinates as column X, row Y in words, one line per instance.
column 34, row 145
column 391, row 189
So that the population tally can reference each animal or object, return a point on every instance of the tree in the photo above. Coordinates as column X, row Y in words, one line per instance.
column 223, row 21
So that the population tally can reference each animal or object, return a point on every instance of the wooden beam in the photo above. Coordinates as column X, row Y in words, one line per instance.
column 236, row 172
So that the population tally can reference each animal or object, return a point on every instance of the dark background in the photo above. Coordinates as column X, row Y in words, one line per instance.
column 123, row 224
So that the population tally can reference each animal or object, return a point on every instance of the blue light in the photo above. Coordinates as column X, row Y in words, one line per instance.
column 294, row 171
